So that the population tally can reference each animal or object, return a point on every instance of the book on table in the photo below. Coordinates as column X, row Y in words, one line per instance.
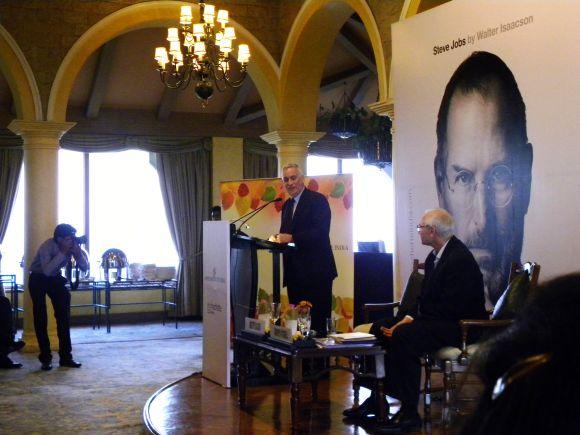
column 353, row 337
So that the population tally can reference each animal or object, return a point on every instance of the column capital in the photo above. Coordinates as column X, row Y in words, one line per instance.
column 40, row 134
column 281, row 137
column 384, row 108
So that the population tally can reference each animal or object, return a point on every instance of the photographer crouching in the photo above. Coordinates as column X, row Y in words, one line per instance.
column 46, row 279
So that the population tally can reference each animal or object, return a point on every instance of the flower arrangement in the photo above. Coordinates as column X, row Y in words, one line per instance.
column 297, row 336
column 263, row 307
column 369, row 133
column 303, row 307
column 291, row 313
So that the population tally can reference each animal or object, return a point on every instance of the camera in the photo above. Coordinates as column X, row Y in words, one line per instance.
column 82, row 240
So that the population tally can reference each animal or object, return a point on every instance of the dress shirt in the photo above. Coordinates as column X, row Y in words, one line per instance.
column 49, row 259
column 439, row 254
column 296, row 199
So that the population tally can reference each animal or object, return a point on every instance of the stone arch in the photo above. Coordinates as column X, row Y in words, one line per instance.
column 262, row 68
column 18, row 74
column 307, row 48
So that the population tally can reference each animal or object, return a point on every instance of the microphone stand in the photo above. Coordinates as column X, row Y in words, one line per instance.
column 249, row 216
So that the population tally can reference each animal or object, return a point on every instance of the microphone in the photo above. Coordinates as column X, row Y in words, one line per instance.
column 250, row 215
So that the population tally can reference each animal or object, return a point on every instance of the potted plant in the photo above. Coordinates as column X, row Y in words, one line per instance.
column 369, row 133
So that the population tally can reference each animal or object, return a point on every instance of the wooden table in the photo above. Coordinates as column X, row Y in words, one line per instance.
column 308, row 365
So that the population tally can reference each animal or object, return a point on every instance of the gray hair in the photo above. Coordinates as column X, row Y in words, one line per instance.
column 293, row 165
column 441, row 221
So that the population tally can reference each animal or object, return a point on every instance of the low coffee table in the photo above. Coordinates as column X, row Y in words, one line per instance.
column 249, row 349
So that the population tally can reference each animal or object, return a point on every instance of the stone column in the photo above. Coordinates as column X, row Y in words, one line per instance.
column 292, row 146
column 41, row 144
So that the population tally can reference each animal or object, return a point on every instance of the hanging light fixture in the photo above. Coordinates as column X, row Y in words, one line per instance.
column 203, row 53
column 346, row 118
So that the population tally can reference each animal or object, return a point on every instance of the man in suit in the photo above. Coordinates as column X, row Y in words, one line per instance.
column 310, row 269
column 452, row 290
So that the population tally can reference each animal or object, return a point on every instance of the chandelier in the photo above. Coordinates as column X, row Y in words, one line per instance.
column 202, row 53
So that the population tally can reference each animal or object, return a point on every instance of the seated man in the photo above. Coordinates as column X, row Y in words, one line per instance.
column 7, row 343
column 452, row 290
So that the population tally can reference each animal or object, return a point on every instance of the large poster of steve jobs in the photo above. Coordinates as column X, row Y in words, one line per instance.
column 483, row 164
column 485, row 102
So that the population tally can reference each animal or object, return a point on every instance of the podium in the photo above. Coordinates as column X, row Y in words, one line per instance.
column 230, row 290
column 244, row 275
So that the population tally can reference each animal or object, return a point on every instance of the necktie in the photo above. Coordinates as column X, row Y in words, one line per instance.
column 291, row 204
column 288, row 212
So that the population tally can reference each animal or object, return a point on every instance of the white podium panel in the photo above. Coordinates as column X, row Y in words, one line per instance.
column 217, row 357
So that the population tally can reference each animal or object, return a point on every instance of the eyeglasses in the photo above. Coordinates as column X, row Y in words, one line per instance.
column 498, row 183
column 421, row 226
column 517, row 371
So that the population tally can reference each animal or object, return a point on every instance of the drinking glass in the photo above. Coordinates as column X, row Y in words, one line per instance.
column 304, row 324
column 275, row 312
column 330, row 326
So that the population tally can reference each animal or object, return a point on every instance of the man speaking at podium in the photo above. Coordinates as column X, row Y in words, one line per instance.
column 310, row 269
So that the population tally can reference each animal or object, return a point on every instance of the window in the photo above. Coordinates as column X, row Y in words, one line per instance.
column 12, row 247
column 71, row 189
column 373, row 214
column 125, row 210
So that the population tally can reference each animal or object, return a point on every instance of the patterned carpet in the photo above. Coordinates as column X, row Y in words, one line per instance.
column 120, row 372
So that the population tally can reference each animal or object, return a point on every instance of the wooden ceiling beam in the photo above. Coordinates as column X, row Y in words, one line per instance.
column 355, row 22
column 332, row 82
column 238, row 101
column 250, row 114
column 329, row 83
column 145, row 122
column 357, row 48
column 362, row 88
column 101, row 79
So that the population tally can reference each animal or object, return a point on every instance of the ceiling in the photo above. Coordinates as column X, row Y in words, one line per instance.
column 118, row 90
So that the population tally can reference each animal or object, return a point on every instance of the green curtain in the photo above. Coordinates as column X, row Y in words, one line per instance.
column 185, row 180
column 11, row 156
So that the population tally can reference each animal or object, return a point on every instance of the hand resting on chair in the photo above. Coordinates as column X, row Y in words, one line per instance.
column 388, row 332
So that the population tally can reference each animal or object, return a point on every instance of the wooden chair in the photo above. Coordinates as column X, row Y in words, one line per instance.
column 451, row 360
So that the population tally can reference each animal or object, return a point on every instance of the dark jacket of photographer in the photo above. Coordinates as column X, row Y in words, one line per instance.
column 49, row 260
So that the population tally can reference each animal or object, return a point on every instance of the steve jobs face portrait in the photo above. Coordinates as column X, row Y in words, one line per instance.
column 483, row 164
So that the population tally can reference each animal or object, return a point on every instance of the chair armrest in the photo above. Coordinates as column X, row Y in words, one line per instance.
column 465, row 324
column 373, row 307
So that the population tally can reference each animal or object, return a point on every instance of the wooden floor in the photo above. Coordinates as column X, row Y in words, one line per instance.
column 195, row 405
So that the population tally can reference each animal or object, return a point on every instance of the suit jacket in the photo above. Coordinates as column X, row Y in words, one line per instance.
column 452, row 290
column 312, row 261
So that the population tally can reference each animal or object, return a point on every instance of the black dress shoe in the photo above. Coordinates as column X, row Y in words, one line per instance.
column 70, row 363
column 366, row 408
column 46, row 366
column 402, row 423
column 9, row 365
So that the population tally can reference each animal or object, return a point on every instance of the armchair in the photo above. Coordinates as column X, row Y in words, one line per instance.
column 451, row 360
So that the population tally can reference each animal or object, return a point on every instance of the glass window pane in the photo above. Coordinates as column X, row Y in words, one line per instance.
column 350, row 166
column 127, row 210
column 71, row 189
column 373, row 206
column 12, row 247
column 317, row 165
